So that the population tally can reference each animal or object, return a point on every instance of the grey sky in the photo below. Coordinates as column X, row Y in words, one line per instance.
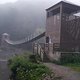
column 6, row 1
column 51, row 1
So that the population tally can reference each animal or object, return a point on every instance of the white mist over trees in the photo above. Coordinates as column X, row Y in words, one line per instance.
column 23, row 18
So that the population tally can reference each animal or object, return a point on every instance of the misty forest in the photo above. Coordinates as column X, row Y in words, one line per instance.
column 22, row 18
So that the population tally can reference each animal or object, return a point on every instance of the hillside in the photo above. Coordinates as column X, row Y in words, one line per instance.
column 23, row 18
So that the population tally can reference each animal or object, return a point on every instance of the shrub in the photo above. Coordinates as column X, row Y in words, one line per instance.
column 70, row 58
column 32, row 58
column 35, row 58
column 23, row 69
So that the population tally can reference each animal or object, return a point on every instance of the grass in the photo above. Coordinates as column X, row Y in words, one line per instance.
column 74, row 66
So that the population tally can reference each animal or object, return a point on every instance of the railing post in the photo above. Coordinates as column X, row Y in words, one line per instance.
column 37, row 48
column 40, row 52
column 33, row 48
column 53, row 47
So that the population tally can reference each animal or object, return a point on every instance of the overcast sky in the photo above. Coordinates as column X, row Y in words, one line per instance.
column 7, row 1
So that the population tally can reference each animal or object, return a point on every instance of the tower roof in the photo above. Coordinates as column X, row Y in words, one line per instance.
column 66, row 4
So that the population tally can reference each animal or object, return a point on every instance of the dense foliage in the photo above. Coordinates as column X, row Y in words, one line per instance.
column 70, row 58
column 23, row 68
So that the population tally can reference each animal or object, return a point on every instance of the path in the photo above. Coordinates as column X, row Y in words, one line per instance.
column 67, row 73
column 4, row 70
column 4, row 56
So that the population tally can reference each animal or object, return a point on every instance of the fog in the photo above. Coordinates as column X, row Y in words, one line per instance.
column 24, row 17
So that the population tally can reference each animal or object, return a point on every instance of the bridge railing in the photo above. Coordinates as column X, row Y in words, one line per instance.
column 27, row 39
column 53, row 51
column 44, row 49
column 37, row 49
